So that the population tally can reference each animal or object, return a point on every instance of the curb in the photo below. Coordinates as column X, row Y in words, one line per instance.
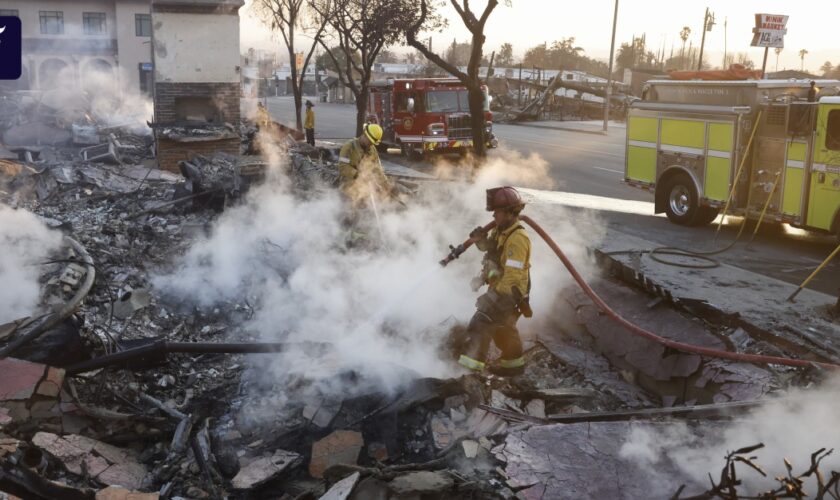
column 567, row 129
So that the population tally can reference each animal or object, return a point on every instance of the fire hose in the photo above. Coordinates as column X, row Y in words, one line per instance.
column 456, row 252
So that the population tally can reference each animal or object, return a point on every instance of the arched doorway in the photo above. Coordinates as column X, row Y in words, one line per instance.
column 54, row 73
column 98, row 76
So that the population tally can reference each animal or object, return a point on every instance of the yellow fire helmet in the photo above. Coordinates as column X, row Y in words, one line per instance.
column 373, row 133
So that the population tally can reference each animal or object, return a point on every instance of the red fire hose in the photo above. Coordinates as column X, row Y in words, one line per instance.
column 633, row 328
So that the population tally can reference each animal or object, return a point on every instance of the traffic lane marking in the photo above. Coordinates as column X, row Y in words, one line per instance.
column 610, row 170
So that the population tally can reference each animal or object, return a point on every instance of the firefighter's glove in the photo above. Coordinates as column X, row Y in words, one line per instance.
column 482, row 242
column 522, row 302
column 478, row 233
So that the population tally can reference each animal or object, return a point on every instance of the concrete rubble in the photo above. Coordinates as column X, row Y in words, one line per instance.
column 193, row 425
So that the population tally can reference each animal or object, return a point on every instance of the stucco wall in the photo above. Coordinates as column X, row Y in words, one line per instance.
column 133, row 49
column 193, row 48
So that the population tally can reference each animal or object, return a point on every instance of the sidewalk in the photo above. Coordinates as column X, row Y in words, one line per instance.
column 756, row 299
column 743, row 297
column 584, row 126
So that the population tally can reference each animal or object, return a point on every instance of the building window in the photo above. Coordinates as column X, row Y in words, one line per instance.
column 94, row 23
column 832, row 130
column 52, row 22
column 9, row 12
column 143, row 24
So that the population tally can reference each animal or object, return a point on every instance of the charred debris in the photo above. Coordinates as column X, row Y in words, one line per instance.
column 110, row 391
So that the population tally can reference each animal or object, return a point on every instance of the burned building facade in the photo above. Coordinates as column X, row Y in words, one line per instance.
column 80, row 43
column 197, row 80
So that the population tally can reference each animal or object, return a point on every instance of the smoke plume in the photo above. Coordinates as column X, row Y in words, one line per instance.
column 24, row 242
column 103, row 95
column 379, row 309
column 791, row 426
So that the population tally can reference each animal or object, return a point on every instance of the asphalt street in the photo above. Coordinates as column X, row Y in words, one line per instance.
column 591, row 166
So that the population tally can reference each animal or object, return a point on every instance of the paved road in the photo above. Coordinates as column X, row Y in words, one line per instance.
column 591, row 165
column 580, row 163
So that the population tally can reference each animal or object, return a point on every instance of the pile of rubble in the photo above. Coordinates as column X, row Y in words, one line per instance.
column 177, row 411
column 68, row 432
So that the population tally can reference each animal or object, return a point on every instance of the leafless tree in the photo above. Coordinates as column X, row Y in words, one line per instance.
column 362, row 29
column 475, row 23
column 292, row 17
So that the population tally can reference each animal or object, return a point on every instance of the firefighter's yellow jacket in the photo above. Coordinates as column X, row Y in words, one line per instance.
column 356, row 163
column 511, row 251
column 309, row 121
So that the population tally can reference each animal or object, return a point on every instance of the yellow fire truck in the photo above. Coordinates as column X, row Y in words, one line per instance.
column 686, row 141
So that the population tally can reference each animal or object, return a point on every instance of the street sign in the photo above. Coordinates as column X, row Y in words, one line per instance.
column 299, row 60
column 769, row 30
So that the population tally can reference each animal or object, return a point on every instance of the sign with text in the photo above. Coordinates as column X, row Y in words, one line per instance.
column 769, row 30
column 299, row 60
column 10, row 48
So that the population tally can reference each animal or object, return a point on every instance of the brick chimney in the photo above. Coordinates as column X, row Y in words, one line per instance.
column 195, row 48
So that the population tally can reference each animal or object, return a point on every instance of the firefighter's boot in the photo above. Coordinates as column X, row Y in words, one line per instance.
column 512, row 361
column 477, row 344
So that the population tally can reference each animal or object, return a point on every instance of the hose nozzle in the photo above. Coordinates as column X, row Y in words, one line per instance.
column 454, row 253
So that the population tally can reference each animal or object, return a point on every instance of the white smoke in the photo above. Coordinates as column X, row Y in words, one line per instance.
column 377, row 309
column 104, row 96
column 25, row 241
column 791, row 426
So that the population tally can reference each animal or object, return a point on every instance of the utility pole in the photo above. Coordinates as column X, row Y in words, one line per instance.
column 708, row 22
column 725, row 34
column 610, row 70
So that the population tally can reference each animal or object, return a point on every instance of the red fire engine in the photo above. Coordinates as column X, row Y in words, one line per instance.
column 421, row 115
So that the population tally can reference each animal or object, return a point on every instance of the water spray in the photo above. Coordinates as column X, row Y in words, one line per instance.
column 378, row 222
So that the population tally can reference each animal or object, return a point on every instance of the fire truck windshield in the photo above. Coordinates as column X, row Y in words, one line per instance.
column 445, row 100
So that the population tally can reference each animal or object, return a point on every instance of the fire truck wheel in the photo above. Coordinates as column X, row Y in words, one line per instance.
column 681, row 205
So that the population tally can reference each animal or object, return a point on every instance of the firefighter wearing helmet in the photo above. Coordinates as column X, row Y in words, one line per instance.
column 506, row 272
column 359, row 168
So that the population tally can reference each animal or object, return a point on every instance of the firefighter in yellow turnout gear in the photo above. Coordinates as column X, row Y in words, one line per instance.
column 506, row 271
column 360, row 171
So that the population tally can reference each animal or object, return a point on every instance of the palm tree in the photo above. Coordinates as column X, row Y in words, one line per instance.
column 684, row 33
column 802, row 57
column 777, row 50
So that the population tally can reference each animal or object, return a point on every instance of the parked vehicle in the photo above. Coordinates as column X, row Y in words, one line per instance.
column 423, row 115
column 687, row 139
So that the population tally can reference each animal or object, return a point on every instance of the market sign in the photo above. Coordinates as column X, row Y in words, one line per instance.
column 769, row 30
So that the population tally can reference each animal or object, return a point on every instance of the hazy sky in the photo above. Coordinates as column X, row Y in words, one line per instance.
column 529, row 22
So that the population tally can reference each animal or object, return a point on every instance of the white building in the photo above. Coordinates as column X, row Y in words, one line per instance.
column 79, row 42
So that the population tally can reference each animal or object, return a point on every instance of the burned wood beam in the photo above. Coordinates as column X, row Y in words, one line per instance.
column 172, row 412
column 696, row 411
column 158, row 350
